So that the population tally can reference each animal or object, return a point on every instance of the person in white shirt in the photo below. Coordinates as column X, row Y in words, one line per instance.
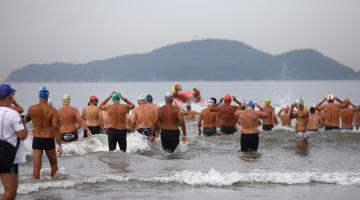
column 12, row 129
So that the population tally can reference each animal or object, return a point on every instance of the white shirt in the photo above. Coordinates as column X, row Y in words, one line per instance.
column 10, row 123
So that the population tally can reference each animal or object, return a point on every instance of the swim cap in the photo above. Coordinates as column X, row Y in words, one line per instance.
column 141, row 98
column 251, row 104
column 267, row 101
column 299, row 101
column 214, row 99
column 286, row 109
column 66, row 99
column 168, row 96
column 149, row 98
column 227, row 98
column 115, row 96
column 330, row 97
column 50, row 103
column 188, row 106
column 6, row 90
column 93, row 98
column 43, row 93
column 211, row 102
column 312, row 110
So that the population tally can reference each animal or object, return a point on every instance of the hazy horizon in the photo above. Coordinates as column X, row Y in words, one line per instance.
column 87, row 30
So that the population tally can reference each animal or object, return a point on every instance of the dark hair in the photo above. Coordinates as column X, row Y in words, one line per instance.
column 312, row 110
column 214, row 99
column 149, row 98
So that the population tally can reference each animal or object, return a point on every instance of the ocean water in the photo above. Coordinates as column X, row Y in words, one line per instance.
column 205, row 167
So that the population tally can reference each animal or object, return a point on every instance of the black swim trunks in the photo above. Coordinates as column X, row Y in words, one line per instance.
column 329, row 128
column 69, row 137
column 117, row 136
column 43, row 143
column 13, row 169
column 249, row 142
column 145, row 132
column 347, row 128
column 268, row 127
column 94, row 130
column 228, row 129
column 209, row 131
column 169, row 139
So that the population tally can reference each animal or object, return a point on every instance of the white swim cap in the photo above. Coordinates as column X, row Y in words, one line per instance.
column 299, row 101
column 211, row 102
column 168, row 96
column 141, row 98
column 330, row 97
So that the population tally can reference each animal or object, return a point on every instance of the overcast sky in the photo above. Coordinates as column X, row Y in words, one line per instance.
column 44, row 31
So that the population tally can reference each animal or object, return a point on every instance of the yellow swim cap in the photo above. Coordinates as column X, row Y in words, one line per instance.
column 267, row 101
column 66, row 99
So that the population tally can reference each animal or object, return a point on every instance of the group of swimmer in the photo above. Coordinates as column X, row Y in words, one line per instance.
column 50, row 125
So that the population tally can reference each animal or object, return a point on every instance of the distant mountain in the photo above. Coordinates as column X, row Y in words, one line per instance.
column 196, row 60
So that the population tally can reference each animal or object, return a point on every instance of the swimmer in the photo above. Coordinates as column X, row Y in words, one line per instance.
column 331, row 112
column 45, row 131
column 189, row 114
column 117, row 117
column 226, row 116
column 284, row 116
column 92, row 117
column 302, row 118
column 249, row 121
column 169, row 118
column 314, row 120
column 143, row 117
column 207, row 120
column 270, row 120
column 70, row 121
column 347, row 115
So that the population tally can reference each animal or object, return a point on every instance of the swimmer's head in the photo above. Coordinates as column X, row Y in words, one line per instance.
column 251, row 104
column 312, row 110
column 149, row 98
column 168, row 97
column 330, row 98
column 214, row 100
column 210, row 102
column 188, row 106
column 346, row 102
column 50, row 103
column 267, row 101
column 93, row 98
column 141, row 98
column 6, row 90
column 286, row 109
column 66, row 99
column 299, row 102
column 115, row 96
column 43, row 93
column 227, row 98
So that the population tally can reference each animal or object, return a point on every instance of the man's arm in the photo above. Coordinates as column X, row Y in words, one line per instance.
column 279, row 113
column 182, row 126
column 80, row 122
column 200, row 123
column 236, row 101
column 292, row 114
column 103, row 104
column 275, row 120
column 55, row 123
column 128, row 102
column 16, row 106
column 318, row 106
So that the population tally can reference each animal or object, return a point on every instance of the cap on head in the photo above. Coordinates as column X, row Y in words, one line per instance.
column 312, row 109
column 188, row 106
column 251, row 104
column 115, row 96
column 299, row 101
column 93, row 98
column 267, row 101
column 6, row 90
column 141, row 98
column 168, row 96
column 210, row 102
column 149, row 98
column 66, row 99
column 214, row 99
column 227, row 98
column 286, row 109
column 330, row 97
column 43, row 93
column 50, row 103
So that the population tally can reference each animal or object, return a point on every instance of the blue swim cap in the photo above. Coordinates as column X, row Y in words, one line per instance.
column 6, row 90
column 251, row 104
column 43, row 93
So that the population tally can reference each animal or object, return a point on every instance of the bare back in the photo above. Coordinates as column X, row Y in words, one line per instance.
column 92, row 115
column 270, row 112
column 226, row 115
column 69, row 119
column 285, row 119
column 331, row 113
column 45, row 120
column 249, row 120
column 314, row 122
column 144, row 116
column 170, row 117
column 117, row 114
column 208, row 118
column 347, row 117
column 357, row 118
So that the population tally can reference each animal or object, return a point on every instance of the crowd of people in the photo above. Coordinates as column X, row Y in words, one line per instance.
column 53, row 127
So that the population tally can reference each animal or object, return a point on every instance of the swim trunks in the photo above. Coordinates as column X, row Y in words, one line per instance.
column 13, row 169
column 249, row 142
column 267, row 127
column 69, row 137
column 94, row 130
column 347, row 128
column 228, row 129
column 302, row 136
column 43, row 143
column 145, row 132
column 313, row 130
column 169, row 139
column 209, row 131
column 329, row 128
column 117, row 136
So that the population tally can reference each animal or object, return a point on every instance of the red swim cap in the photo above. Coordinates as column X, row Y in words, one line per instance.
column 93, row 98
column 227, row 98
column 286, row 109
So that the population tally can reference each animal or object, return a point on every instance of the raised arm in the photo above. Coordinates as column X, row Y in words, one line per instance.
column 16, row 106
column 128, row 102
column 292, row 114
column 236, row 101
column 279, row 113
column 318, row 106
column 103, row 104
